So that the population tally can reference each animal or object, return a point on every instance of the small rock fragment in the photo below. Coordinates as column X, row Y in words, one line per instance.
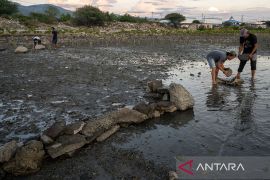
column 108, row 133
column 46, row 139
column 154, row 85
column 173, row 175
column 74, row 128
column 66, row 144
column 55, row 130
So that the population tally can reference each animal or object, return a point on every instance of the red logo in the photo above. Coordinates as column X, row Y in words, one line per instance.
column 189, row 170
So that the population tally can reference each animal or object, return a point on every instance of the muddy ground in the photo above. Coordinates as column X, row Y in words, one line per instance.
column 86, row 77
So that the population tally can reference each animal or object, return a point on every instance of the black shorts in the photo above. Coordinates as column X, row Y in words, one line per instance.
column 54, row 41
column 253, row 64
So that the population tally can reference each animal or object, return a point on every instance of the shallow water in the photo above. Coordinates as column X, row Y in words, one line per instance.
column 226, row 120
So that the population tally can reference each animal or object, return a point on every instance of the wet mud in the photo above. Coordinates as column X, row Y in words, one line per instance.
column 78, row 82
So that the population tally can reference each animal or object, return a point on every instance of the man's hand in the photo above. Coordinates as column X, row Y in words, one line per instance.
column 250, row 56
column 226, row 73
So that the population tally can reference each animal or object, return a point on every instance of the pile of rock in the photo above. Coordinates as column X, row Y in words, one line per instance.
column 61, row 139
column 21, row 49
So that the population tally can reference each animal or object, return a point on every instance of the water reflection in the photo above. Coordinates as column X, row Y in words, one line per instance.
column 244, row 115
column 215, row 98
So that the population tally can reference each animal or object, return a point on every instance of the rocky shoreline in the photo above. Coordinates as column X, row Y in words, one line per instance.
column 63, row 140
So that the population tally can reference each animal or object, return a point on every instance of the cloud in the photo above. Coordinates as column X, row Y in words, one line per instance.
column 104, row 5
column 213, row 9
column 159, row 7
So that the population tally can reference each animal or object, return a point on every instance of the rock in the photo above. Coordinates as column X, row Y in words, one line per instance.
column 74, row 128
column 108, row 133
column 27, row 160
column 166, row 97
column 21, row 49
column 2, row 173
column 163, row 90
column 232, row 81
column 39, row 47
column 166, row 106
column 153, row 97
column 154, row 85
column 7, row 151
column 156, row 114
column 229, row 71
column 173, row 175
column 66, row 144
column 96, row 127
column 147, row 109
column 55, row 130
column 46, row 139
column 181, row 97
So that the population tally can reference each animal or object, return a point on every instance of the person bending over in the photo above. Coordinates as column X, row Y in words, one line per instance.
column 216, row 60
column 36, row 40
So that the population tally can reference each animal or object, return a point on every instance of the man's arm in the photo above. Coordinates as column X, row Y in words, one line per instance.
column 221, row 67
column 241, row 48
column 254, row 49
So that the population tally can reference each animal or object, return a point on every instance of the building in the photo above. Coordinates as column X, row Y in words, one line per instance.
column 261, row 25
column 232, row 22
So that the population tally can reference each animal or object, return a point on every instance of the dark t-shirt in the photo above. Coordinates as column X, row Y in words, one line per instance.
column 249, row 43
column 54, row 33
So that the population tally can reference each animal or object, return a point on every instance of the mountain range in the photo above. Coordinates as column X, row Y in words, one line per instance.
column 40, row 8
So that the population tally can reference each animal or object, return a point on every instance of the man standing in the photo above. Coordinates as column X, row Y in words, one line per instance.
column 216, row 60
column 247, row 51
column 54, row 37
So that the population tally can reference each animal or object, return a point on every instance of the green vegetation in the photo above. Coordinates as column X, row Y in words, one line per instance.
column 267, row 23
column 175, row 18
column 91, row 16
column 131, row 19
column 88, row 16
column 7, row 7
column 65, row 17
column 196, row 22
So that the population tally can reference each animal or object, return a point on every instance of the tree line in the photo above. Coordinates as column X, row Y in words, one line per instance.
column 84, row 16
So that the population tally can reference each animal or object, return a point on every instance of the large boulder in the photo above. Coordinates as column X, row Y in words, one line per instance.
column 55, row 130
column 66, row 144
column 27, row 160
column 39, row 47
column 7, row 151
column 96, row 127
column 21, row 49
column 154, row 85
column 181, row 97
column 108, row 133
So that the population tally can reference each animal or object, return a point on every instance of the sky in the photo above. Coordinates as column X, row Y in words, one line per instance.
column 249, row 10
